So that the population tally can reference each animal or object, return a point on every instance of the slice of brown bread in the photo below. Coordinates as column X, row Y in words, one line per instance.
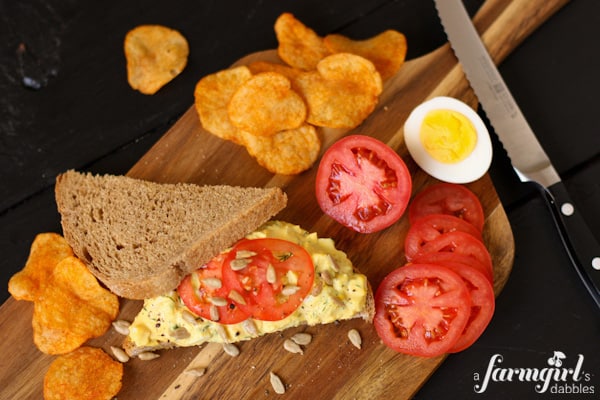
column 141, row 238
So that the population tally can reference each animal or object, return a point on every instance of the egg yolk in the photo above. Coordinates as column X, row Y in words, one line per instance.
column 448, row 136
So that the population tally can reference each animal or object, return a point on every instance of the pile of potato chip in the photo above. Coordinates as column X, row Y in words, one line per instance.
column 69, row 307
column 274, row 109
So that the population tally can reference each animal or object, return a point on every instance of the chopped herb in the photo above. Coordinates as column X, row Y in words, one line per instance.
column 285, row 256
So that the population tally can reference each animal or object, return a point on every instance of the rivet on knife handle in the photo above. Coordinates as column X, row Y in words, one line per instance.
column 581, row 245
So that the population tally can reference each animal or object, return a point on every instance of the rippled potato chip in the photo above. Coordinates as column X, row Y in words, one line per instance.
column 87, row 373
column 211, row 97
column 342, row 92
column 47, row 250
column 289, row 152
column 299, row 46
column 386, row 50
column 266, row 104
column 72, row 309
column 155, row 55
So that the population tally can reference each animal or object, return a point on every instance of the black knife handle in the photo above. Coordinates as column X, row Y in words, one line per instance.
column 581, row 245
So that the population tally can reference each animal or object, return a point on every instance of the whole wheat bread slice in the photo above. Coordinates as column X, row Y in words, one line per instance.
column 141, row 238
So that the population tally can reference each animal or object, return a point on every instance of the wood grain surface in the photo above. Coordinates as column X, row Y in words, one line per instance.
column 330, row 368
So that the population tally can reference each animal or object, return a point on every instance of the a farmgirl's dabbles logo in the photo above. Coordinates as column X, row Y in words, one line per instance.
column 560, row 376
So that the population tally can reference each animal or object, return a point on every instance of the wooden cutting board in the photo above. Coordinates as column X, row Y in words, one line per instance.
column 330, row 368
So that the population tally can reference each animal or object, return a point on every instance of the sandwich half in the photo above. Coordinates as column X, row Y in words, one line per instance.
column 233, row 299
column 142, row 238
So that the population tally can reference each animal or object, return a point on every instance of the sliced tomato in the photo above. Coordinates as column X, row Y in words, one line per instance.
column 199, row 290
column 273, row 276
column 443, row 257
column 457, row 243
column 363, row 184
column 421, row 309
column 483, row 303
column 447, row 198
column 430, row 227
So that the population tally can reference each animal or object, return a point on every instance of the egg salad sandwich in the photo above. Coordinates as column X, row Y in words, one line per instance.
column 208, row 261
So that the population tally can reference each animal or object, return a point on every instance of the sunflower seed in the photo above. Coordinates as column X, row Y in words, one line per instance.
column 317, row 288
column 221, row 331
column 292, row 347
column 195, row 278
column 180, row 333
column 189, row 317
column 214, row 313
column 244, row 254
column 271, row 275
column 121, row 326
column 218, row 301
column 239, row 263
column 231, row 349
column 148, row 355
column 237, row 297
column 337, row 301
column 334, row 265
column 302, row 338
column 326, row 277
column 212, row 282
column 198, row 371
column 249, row 326
column 119, row 354
column 276, row 383
column 355, row 338
column 289, row 290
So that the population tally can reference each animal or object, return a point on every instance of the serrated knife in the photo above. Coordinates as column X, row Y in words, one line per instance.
column 526, row 154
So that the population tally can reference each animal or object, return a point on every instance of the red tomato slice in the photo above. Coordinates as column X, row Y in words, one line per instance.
column 198, row 293
column 421, row 309
column 482, row 303
column 447, row 198
column 274, row 276
column 457, row 243
column 444, row 257
column 363, row 184
column 430, row 227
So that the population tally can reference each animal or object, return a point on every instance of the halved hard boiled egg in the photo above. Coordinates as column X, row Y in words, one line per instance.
column 448, row 140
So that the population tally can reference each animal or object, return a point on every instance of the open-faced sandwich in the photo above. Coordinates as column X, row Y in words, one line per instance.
column 206, row 259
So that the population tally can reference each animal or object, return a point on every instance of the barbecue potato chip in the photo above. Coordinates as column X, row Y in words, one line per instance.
column 351, row 68
column 299, row 46
column 87, row 373
column 47, row 250
column 386, row 50
column 211, row 97
column 266, row 104
column 72, row 309
column 155, row 55
column 342, row 92
column 288, row 152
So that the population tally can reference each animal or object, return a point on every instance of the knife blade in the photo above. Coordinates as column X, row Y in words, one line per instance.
column 528, row 158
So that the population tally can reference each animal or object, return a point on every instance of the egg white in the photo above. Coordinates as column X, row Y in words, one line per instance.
column 473, row 167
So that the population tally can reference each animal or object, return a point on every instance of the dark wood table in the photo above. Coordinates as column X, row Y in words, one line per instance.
column 65, row 103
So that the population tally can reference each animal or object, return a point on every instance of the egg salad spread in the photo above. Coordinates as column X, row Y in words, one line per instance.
column 338, row 293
